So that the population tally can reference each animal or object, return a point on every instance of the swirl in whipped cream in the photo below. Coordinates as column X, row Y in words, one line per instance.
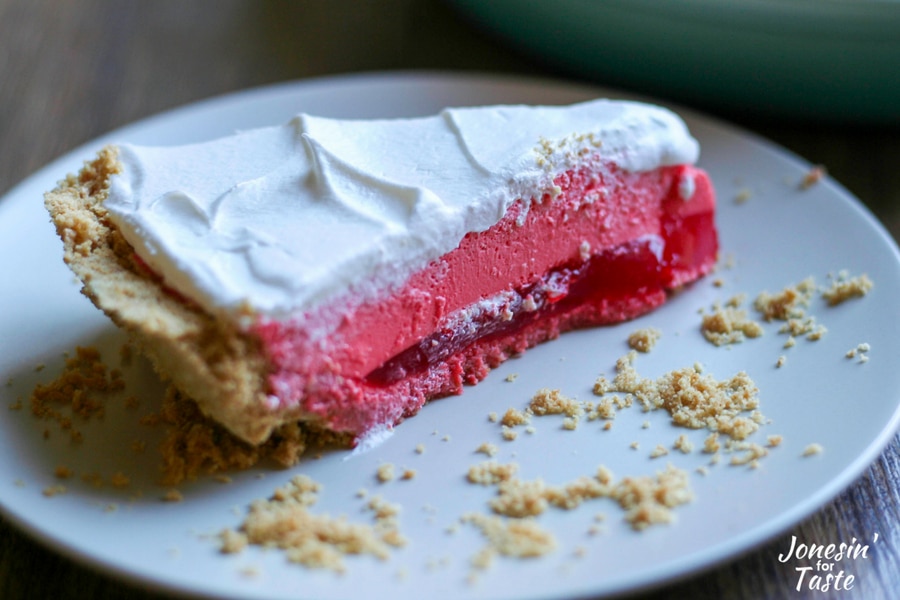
column 286, row 219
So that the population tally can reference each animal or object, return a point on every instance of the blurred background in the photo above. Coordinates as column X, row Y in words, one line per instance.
column 822, row 82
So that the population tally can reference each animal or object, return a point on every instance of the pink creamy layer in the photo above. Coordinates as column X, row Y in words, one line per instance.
column 597, row 217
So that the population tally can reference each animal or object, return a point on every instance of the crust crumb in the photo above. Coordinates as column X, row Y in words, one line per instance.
column 812, row 450
column 491, row 472
column 790, row 303
column 861, row 351
column 659, row 451
column 803, row 327
column 385, row 473
column 601, row 386
column 518, row 498
column 232, row 541
column 643, row 340
column 519, row 538
column 646, row 500
column 812, row 177
column 711, row 444
column 548, row 401
column 845, row 288
column 513, row 418
column 487, row 449
column 80, row 392
column 604, row 409
column 751, row 454
column 315, row 541
column 695, row 400
column 649, row 501
column 683, row 444
column 729, row 325
column 509, row 434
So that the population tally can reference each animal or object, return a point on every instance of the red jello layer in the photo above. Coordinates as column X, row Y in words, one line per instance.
column 606, row 249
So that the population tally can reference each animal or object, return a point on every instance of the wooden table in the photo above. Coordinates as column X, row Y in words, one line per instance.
column 72, row 71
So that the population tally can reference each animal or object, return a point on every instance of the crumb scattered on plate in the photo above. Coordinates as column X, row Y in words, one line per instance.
column 643, row 340
column 316, row 541
column 813, row 449
column 813, row 176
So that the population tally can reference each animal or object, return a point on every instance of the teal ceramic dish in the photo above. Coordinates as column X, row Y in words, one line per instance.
column 836, row 60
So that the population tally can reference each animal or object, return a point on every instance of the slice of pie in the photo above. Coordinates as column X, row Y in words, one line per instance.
column 341, row 273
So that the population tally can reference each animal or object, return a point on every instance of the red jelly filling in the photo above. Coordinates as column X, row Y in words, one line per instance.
column 643, row 267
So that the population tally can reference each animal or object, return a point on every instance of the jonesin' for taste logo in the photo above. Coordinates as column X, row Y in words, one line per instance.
column 826, row 566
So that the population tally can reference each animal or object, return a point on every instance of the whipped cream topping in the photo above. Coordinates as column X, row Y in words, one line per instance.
column 286, row 219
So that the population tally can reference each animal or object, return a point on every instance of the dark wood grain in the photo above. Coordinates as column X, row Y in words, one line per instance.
column 72, row 71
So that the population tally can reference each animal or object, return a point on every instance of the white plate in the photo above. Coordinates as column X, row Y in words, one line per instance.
column 777, row 237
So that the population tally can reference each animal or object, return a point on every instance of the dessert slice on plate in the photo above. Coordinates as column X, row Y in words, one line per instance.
column 341, row 273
